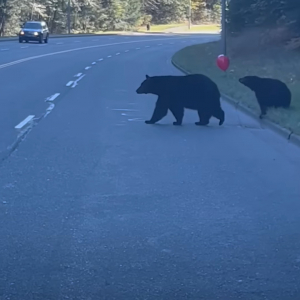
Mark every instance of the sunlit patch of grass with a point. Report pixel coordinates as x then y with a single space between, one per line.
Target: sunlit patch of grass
160 28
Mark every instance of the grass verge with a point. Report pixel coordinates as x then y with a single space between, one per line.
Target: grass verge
204 28
182 28
273 62
160 28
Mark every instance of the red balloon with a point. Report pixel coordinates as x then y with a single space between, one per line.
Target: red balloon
223 62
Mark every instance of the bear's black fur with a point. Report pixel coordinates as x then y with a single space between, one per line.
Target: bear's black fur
269 92
196 92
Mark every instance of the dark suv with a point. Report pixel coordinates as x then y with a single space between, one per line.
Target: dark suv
34 31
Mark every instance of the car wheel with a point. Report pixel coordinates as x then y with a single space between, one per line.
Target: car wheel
46 39
20 40
41 40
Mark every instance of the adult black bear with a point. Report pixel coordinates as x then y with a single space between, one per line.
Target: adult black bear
269 92
196 92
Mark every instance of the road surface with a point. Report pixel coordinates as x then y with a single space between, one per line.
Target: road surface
95 204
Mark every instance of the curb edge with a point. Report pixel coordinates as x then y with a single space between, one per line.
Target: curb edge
285 133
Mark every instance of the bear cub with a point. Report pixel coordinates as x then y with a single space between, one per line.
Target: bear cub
269 92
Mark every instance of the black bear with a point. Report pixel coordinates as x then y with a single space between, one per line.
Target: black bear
196 92
269 92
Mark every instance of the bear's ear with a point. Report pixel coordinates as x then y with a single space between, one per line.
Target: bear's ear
147 76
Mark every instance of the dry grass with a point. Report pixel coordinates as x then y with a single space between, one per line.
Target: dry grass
160 28
248 58
204 28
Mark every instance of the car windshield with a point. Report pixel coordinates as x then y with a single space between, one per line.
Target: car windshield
32 26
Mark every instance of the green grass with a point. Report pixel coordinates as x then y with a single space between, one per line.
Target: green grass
273 62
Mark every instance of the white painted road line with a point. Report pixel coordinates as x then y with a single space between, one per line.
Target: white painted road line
53 97
78 75
118 53
109 56
135 119
100 59
137 48
4 49
12 63
147 46
124 109
76 81
159 44
25 122
86 68
24 47
93 63
69 83
49 109
126 50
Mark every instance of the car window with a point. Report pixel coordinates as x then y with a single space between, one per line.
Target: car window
32 26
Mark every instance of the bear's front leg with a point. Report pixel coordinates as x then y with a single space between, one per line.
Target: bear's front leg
263 110
160 111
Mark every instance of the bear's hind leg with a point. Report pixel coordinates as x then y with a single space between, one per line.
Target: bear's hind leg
220 115
178 113
160 111
204 118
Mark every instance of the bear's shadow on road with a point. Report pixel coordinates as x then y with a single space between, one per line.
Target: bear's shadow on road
188 126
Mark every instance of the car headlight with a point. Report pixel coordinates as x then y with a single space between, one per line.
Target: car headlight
22 32
35 33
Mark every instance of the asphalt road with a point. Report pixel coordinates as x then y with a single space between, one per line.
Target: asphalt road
95 204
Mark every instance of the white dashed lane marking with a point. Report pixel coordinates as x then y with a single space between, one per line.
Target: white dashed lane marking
118 53
93 63
109 56
6 49
69 83
78 75
100 59
12 63
76 81
86 68
124 109
25 122
53 97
